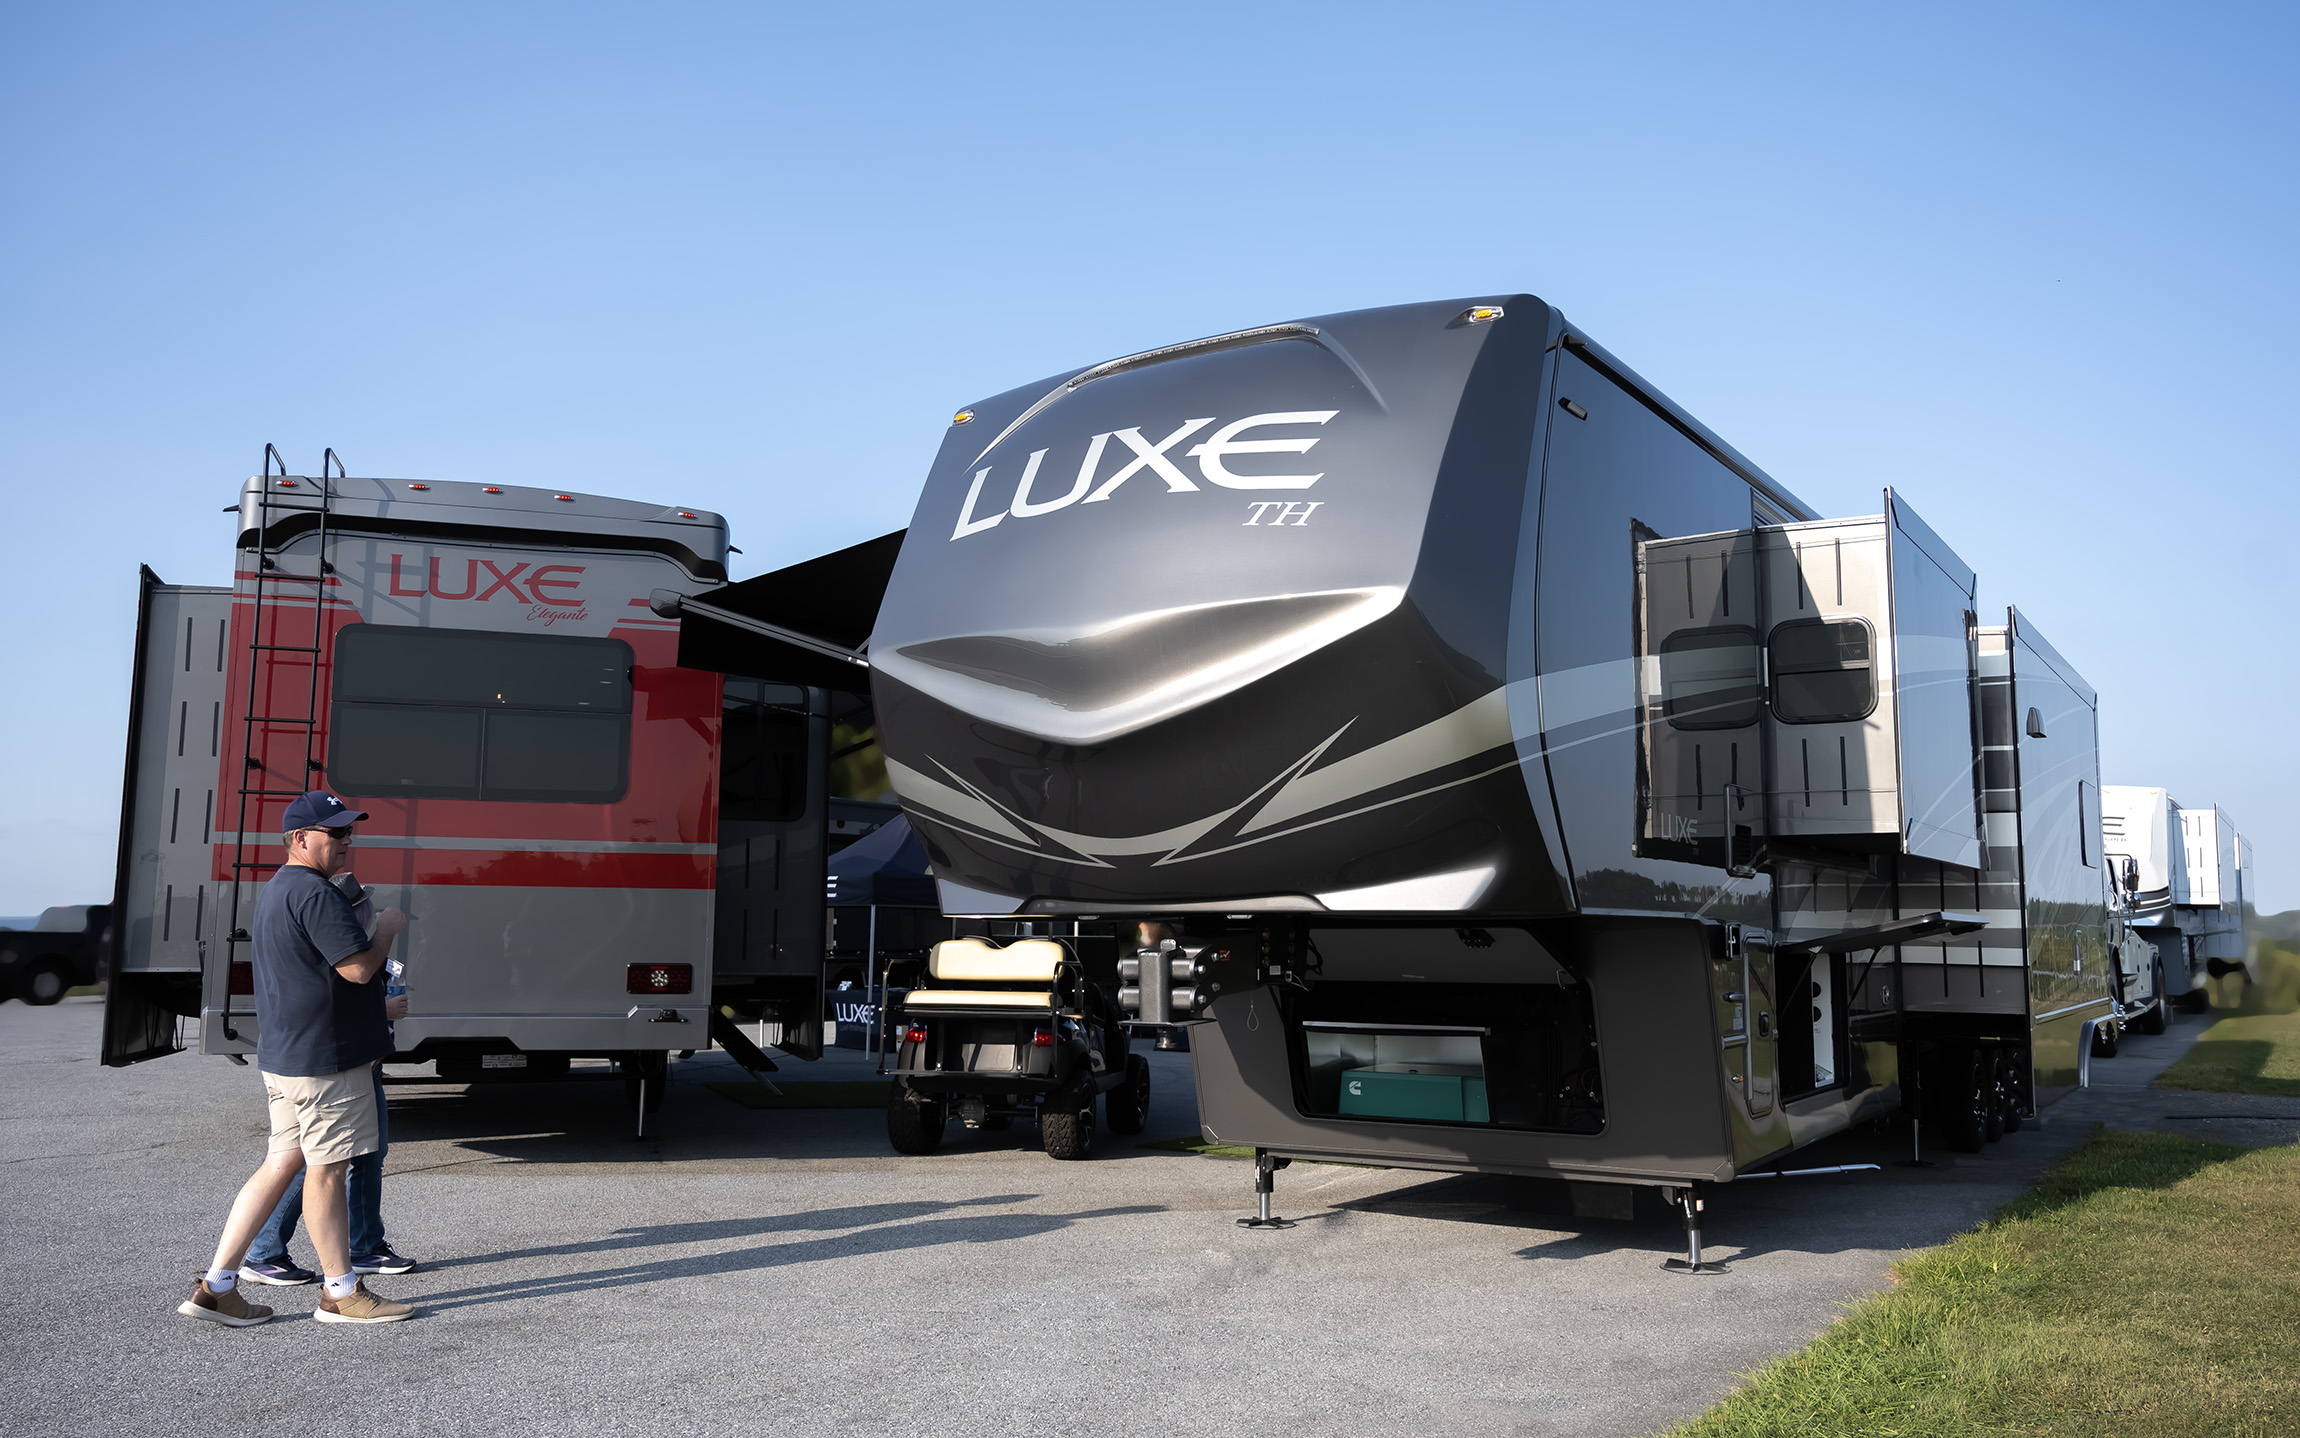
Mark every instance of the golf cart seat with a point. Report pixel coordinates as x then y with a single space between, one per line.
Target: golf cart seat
1024 973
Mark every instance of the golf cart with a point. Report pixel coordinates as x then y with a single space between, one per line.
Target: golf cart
997 1033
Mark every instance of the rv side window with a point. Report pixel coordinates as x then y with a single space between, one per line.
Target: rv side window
1823 671
460 714
1710 678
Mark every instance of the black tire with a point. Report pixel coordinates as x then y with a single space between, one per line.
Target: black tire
1993 1081
2104 1039
915 1121
1128 1105
2153 1022
1066 1122
2009 1086
1963 1097
46 984
2195 1001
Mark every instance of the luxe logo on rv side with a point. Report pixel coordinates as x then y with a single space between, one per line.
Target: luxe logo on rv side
1212 455
545 604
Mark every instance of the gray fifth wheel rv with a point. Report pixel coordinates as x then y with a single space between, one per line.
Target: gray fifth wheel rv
1542 788
602 846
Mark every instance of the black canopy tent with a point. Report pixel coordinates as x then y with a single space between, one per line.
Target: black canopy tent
884 869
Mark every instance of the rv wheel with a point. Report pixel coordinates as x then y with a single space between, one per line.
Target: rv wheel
45 985
914 1121
2152 1022
1066 1123
1965 1096
1128 1105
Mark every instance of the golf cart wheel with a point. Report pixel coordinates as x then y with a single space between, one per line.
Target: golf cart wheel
914 1122
46 984
1965 1096
1128 1105
2104 1039
2009 1063
2153 1022
1066 1123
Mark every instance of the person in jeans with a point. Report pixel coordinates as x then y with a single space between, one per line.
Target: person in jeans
267 1260
321 1030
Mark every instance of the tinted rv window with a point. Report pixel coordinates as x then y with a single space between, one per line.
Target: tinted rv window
459 714
1709 678
1823 671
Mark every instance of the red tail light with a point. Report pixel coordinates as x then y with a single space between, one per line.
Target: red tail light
243 977
659 979
914 1035
1042 1038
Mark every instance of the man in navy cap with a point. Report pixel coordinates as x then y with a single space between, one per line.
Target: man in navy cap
320 1029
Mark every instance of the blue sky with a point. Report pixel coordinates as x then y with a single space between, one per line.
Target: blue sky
2029 265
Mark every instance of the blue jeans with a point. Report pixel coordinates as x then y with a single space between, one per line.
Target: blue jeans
363 1197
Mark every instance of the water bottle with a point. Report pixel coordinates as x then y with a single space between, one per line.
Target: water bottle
395 974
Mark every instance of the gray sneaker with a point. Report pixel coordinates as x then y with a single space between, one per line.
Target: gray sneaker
361 1306
228 1307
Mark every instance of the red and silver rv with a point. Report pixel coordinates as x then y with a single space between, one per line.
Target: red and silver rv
599 846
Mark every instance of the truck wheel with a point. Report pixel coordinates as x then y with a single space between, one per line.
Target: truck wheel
45 984
1066 1122
2152 1022
914 1121
1965 1096
1128 1105
2104 1039
2009 1063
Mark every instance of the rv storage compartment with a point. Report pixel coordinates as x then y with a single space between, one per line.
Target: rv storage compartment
1510 1055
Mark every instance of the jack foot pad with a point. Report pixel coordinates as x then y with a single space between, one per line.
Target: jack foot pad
1265 1223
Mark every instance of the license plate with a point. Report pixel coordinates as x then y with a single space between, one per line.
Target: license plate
503 1061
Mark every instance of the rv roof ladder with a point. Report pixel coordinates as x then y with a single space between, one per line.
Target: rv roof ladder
282 494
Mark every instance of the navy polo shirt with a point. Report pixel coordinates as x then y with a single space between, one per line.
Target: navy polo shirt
311 1020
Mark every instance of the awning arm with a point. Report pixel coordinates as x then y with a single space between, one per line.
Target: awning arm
671 604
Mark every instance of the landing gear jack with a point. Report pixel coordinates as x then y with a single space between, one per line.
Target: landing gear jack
1265 1181
1689 1203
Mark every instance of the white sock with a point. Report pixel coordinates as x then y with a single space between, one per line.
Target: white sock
220 1280
342 1287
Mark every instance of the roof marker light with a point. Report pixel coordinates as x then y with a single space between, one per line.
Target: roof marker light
489 489
964 416
566 498
686 514
287 484
1573 409
1479 314
419 486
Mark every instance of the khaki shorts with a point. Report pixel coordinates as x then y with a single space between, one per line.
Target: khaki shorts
332 1118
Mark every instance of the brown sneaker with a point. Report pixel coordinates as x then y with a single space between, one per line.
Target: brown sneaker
361 1307
227 1307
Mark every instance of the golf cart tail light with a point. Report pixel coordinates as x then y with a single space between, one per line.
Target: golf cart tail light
659 979
1042 1038
490 489
914 1035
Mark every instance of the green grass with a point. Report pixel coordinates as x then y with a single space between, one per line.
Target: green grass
2245 1053
2146 1287
845 1093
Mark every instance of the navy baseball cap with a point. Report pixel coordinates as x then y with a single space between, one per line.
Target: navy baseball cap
319 810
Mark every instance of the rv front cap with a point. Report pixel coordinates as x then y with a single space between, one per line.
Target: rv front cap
319 810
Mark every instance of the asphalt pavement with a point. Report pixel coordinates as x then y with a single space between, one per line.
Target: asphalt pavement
776 1269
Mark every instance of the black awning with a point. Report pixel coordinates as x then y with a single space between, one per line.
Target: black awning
831 600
